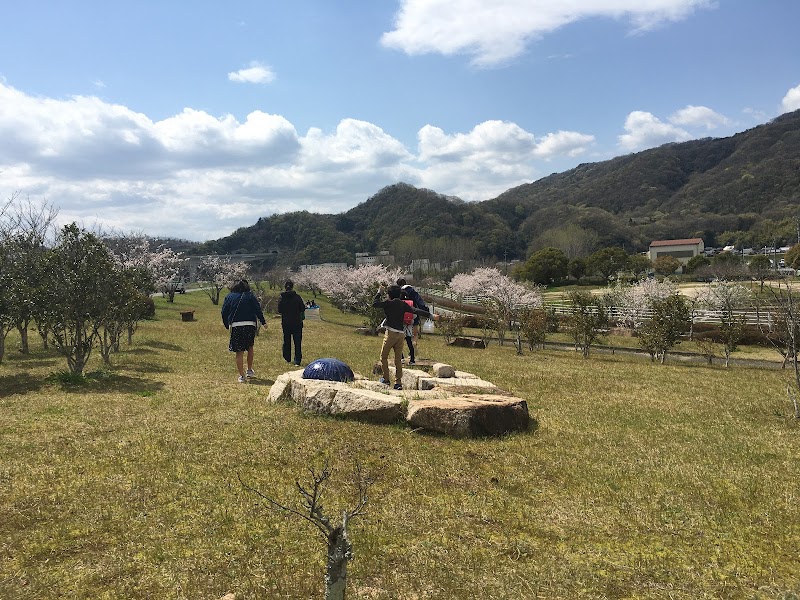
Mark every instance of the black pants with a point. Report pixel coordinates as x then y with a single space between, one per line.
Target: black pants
293 332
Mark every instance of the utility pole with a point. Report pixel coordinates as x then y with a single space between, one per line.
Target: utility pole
797 224
505 260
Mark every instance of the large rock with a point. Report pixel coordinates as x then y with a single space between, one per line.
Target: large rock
334 398
470 415
467 342
443 370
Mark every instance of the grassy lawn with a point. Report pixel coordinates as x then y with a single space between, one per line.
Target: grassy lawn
642 480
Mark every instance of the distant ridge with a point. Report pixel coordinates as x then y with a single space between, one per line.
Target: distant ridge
743 189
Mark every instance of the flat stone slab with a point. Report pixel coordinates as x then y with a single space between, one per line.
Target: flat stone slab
470 415
455 406
429 383
349 400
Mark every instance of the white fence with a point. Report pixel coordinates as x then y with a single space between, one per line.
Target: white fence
762 318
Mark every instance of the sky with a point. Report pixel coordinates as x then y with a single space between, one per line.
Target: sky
192 119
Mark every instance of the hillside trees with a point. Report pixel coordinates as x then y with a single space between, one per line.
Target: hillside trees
792 258
545 267
607 262
759 268
666 265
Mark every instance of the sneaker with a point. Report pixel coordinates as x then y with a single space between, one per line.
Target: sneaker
251 373
242 379
412 362
383 381
398 386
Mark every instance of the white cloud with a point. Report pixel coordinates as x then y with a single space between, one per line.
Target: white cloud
497 139
646 131
255 73
757 115
569 143
698 116
791 101
478 165
197 176
497 31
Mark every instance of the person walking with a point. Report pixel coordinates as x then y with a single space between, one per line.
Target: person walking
408 292
292 310
241 313
394 308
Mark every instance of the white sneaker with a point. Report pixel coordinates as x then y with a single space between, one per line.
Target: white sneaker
242 379
251 373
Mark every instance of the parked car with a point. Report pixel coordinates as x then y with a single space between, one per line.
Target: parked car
178 285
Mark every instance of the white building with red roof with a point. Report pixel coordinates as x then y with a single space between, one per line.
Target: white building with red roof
683 250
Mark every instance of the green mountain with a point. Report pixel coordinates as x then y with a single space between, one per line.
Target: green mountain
744 189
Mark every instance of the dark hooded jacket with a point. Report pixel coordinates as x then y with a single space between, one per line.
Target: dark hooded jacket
292 308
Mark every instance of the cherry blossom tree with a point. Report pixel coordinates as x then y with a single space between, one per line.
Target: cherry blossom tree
725 298
167 268
635 301
502 297
217 273
353 289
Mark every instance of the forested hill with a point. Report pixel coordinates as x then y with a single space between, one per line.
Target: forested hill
743 189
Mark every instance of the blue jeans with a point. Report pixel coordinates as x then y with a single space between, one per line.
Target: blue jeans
293 332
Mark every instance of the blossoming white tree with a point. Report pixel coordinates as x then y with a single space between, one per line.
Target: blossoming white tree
502 296
725 298
353 289
635 301
163 267
217 273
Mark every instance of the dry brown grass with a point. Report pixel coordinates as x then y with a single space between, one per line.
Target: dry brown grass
642 481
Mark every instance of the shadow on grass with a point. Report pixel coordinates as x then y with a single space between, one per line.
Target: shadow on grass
106 382
260 382
162 345
149 367
20 383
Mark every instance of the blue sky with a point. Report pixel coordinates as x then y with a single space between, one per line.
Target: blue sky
190 119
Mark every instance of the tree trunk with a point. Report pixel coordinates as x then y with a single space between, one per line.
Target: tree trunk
340 551
23 336
2 346
43 331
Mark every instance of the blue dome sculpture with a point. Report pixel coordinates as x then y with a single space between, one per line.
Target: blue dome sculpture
329 369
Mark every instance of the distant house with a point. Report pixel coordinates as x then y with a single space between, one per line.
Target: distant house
305 268
683 250
382 258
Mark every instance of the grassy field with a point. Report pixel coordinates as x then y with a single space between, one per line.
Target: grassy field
641 481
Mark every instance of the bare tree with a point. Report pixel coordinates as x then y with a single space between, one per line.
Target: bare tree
785 336
340 548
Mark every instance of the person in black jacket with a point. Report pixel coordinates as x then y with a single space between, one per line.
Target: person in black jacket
394 308
293 310
239 313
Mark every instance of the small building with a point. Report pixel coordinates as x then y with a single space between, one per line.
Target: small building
382 258
683 250
305 268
